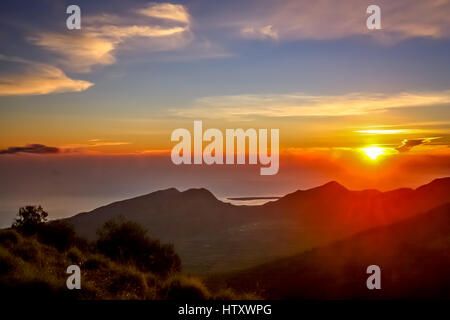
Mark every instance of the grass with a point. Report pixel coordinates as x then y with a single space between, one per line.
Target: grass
31 268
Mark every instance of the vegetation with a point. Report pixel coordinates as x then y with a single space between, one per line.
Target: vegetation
123 263
30 218
128 242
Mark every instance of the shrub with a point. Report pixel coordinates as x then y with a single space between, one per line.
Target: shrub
230 294
151 279
9 238
95 262
75 255
184 288
60 235
127 283
8 262
30 217
27 250
128 264
128 242
226 294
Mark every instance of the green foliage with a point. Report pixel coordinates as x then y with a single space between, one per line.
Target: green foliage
128 242
96 262
30 217
184 288
9 238
8 262
127 283
33 265
230 294
60 235
75 256
27 251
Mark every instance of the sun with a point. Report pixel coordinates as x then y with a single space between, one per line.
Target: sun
373 152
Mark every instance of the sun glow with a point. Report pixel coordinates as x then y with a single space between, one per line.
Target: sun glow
373 152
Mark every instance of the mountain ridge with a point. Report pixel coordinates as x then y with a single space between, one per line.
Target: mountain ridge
212 235
327 186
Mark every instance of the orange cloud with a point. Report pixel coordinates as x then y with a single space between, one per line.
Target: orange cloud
93 143
168 11
80 51
390 131
37 79
300 104
102 35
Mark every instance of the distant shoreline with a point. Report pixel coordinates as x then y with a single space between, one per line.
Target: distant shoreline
253 198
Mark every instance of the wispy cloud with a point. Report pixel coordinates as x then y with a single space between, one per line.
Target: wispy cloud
407 144
265 32
327 19
80 51
168 11
102 35
300 104
93 143
30 148
37 78
389 131
401 131
413 124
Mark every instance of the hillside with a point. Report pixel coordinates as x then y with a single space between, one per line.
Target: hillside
414 257
124 263
212 236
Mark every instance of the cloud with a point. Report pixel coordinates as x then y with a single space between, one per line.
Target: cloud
102 35
31 148
300 104
80 51
327 19
87 147
168 11
415 124
95 143
266 32
407 144
401 131
37 78
389 131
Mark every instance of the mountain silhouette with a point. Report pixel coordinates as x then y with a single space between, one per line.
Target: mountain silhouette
213 236
334 207
413 255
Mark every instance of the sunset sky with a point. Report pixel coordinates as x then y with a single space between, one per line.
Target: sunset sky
88 113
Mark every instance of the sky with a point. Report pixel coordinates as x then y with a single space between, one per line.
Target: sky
86 115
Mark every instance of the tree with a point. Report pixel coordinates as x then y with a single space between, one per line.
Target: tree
60 235
30 217
128 242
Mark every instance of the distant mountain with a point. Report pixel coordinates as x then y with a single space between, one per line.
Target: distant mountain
202 228
213 236
414 257
332 211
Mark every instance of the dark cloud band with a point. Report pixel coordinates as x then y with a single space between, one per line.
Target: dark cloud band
31 148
